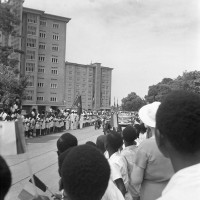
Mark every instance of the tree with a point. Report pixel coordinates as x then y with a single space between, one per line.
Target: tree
12 84
189 81
132 102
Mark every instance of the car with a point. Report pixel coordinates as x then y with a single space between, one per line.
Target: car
125 120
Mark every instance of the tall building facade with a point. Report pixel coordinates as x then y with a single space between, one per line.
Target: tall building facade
44 40
92 82
52 82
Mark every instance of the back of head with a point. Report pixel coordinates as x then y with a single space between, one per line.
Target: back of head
178 118
114 141
91 143
66 141
85 173
5 178
130 134
100 142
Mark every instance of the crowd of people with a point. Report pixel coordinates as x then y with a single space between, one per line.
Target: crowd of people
157 158
43 123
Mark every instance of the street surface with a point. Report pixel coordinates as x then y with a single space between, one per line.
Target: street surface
43 159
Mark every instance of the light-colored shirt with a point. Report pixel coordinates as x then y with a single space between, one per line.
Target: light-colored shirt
118 166
129 153
112 192
119 169
151 170
184 185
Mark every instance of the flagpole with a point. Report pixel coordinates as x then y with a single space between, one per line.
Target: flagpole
30 171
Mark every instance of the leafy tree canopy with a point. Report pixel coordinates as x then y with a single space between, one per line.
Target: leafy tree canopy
189 81
132 102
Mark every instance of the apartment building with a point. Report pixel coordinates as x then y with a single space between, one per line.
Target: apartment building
44 40
92 82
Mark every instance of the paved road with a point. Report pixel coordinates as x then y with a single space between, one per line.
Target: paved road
43 159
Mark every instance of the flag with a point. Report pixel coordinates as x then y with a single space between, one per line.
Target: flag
12 140
78 103
114 120
39 183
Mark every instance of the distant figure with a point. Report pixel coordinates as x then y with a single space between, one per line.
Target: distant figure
178 137
100 143
85 173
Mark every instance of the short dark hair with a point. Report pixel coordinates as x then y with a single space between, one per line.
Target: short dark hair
178 118
66 141
91 143
100 142
114 140
129 134
85 173
5 178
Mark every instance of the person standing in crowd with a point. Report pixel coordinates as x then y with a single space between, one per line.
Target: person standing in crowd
118 163
152 170
178 137
129 135
5 178
86 178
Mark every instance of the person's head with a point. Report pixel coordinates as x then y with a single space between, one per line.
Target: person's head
100 143
85 173
129 135
148 114
138 128
178 125
66 141
113 142
91 143
5 178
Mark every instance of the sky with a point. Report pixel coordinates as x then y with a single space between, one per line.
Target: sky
143 40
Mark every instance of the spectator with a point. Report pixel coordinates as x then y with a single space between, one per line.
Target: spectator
152 170
66 141
178 137
91 143
86 178
118 164
100 143
129 136
5 178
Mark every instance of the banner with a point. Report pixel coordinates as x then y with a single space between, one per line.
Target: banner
12 140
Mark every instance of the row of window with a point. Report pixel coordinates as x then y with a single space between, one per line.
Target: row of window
33 19
40 98
52 85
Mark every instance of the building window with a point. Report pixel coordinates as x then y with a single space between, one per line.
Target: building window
42 46
40 84
43 23
42 35
30 67
30 81
41 70
53 85
55 37
54 71
54 60
53 99
40 98
30 55
41 58
29 95
54 48
56 26
30 42
31 30
32 18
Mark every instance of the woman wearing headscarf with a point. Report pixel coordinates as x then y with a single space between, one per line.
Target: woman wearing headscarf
152 170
